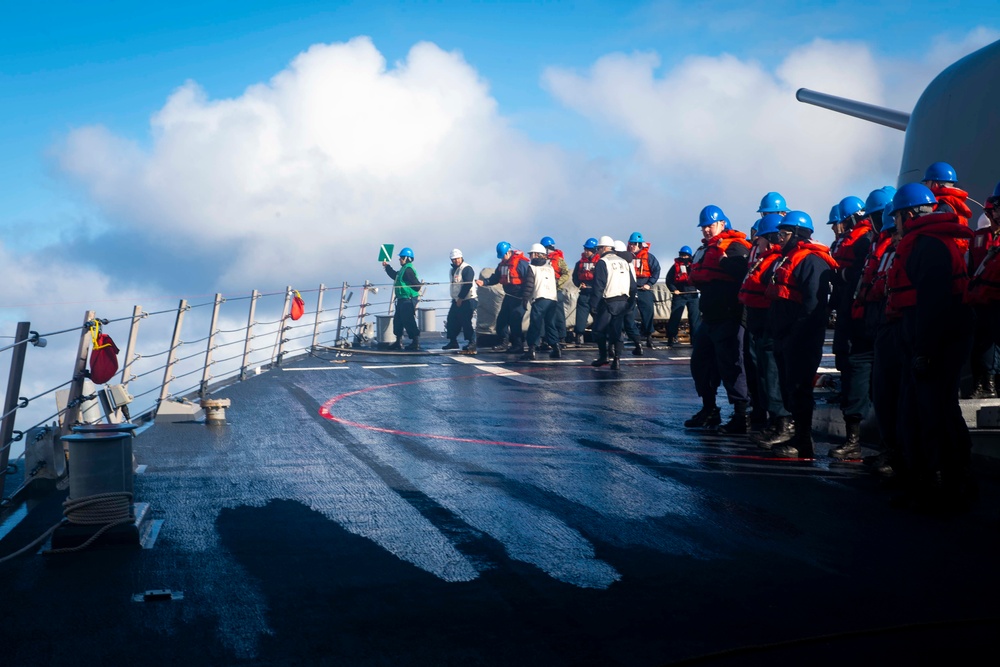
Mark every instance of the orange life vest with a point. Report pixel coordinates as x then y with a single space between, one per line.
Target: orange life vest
844 251
941 226
783 281
682 276
955 198
508 269
981 244
554 258
868 274
753 291
707 263
641 262
585 267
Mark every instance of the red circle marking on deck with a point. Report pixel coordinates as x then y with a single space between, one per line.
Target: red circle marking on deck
324 412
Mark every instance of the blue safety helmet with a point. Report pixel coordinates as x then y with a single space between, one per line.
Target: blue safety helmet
834 215
849 206
548 242
406 252
636 237
502 249
996 190
685 250
772 202
877 199
590 243
798 219
755 226
729 225
910 195
769 224
710 215
941 171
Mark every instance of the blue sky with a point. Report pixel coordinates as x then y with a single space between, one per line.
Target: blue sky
114 65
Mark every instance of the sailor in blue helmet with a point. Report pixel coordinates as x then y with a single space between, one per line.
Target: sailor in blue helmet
406 288
563 276
683 295
889 363
853 347
647 273
772 202
769 418
717 270
511 273
927 288
799 290
583 278
838 229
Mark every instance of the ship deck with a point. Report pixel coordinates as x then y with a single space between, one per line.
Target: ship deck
442 510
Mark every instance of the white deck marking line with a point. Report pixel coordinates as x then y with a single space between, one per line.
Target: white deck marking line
470 359
513 375
317 368
398 366
670 379
554 361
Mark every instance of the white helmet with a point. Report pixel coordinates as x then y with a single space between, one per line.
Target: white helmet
539 248
456 254
606 242
619 246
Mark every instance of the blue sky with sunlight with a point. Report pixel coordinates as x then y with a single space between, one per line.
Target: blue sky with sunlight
65 66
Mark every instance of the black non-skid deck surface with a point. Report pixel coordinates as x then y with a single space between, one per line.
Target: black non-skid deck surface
446 511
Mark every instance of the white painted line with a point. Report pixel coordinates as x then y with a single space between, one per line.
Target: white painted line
397 366
140 469
678 358
673 379
317 368
513 375
470 359
554 361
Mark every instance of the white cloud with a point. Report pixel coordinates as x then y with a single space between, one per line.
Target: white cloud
726 130
301 178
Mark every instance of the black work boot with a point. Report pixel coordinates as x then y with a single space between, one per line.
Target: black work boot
704 418
615 363
397 345
783 431
649 342
502 345
990 386
602 353
670 341
452 345
637 350
851 449
556 353
739 423
414 345
801 444
529 355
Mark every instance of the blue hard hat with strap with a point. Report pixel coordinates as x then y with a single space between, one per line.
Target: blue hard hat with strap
769 224
772 202
685 250
849 206
798 219
590 243
548 242
406 252
636 237
710 215
912 195
941 171
502 248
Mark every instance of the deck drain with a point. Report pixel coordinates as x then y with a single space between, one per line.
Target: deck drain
158 595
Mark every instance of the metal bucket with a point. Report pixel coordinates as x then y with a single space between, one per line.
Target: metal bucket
99 463
426 319
383 329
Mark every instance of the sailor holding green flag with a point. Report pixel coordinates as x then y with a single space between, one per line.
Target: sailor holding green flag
406 287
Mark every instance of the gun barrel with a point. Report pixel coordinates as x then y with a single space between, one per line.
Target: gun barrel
888 117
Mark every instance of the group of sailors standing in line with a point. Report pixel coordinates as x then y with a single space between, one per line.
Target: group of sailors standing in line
915 291
913 287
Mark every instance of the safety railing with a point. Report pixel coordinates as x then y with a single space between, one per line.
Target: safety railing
177 353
